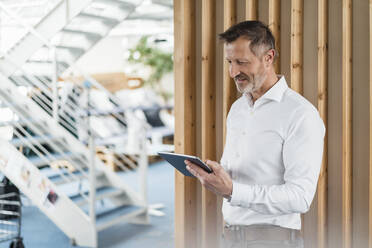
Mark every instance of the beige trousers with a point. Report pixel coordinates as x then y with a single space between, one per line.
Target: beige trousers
261 236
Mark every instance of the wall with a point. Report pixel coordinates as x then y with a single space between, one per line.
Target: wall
325 54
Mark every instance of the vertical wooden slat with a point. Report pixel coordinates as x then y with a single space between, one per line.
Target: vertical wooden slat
335 124
346 123
296 61
251 10
323 111
297 45
185 113
370 126
209 199
274 25
229 88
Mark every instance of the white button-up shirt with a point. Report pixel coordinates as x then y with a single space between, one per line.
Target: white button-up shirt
273 153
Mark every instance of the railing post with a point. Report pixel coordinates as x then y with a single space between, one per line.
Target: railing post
143 165
92 170
54 84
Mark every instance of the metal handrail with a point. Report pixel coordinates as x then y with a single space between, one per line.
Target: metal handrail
43 157
67 120
39 132
46 103
33 148
37 147
68 124
111 96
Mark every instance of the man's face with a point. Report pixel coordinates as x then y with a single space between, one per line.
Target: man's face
248 71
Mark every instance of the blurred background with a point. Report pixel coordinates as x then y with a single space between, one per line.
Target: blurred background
86 102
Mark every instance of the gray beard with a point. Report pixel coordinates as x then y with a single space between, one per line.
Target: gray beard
252 87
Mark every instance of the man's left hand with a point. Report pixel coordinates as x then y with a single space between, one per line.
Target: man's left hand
219 181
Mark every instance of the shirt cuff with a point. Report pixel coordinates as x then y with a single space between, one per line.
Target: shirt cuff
241 195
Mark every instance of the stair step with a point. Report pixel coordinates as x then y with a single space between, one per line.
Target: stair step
107 218
81 32
72 49
35 140
120 3
56 177
102 18
37 161
39 61
101 193
41 67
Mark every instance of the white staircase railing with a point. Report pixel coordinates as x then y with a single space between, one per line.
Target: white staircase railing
67 148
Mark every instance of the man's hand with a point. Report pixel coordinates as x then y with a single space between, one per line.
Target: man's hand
219 181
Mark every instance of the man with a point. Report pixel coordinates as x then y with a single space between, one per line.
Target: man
273 152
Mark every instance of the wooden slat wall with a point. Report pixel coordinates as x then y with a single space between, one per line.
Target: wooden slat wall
360 123
346 124
229 89
370 125
310 92
274 25
335 124
297 45
185 114
251 9
296 62
209 200
322 79
341 215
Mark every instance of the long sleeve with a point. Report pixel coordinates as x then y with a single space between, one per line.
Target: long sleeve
302 157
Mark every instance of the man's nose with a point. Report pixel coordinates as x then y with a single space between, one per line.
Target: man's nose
234 70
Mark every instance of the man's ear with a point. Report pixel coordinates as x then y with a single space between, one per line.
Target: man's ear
269 57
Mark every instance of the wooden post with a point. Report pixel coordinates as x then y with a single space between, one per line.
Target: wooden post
209 199
229 88
370 125
274 25
251 10
346 123
296 61
185 115
297 45
323 111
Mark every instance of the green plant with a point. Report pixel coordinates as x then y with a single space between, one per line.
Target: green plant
159 61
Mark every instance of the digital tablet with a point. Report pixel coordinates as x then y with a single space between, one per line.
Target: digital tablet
178 162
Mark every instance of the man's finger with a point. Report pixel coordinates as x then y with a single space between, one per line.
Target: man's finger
196 168
213 164
198 176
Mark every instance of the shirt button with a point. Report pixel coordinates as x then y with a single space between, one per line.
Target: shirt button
237 155
243 133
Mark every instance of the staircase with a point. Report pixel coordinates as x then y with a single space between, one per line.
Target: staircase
70 30
98 199
37 35
54 144
59 46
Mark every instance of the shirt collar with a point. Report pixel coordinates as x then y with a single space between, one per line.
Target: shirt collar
276 92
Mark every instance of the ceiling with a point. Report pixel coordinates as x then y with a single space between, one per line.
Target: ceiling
151 16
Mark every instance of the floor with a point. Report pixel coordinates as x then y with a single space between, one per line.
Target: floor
39 232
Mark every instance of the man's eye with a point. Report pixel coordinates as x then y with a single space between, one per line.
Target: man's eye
241 62
229 61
